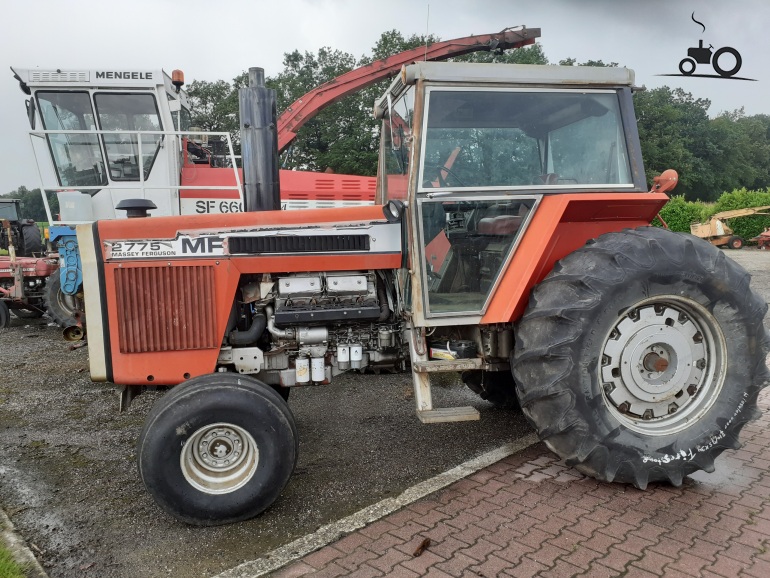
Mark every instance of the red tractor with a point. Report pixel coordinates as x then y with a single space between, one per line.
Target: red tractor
510 242
23 273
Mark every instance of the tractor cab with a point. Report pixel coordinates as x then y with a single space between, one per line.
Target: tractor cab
103 136
475 154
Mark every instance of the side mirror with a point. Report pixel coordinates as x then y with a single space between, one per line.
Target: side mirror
665 182
30 102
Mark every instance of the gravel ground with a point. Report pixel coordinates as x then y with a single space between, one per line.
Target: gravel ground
69 482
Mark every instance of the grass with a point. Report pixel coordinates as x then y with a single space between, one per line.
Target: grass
9 568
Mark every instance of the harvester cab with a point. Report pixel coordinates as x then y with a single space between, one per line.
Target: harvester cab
509 244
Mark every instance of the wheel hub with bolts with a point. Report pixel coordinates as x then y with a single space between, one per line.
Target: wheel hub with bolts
219 458
662 365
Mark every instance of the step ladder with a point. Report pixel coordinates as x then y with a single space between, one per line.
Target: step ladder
422 367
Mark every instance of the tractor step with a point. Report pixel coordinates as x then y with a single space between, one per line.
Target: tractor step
446 366
465 413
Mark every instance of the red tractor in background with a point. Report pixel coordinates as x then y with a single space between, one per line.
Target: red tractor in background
509 242
24 271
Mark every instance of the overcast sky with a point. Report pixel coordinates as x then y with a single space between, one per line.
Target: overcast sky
213 40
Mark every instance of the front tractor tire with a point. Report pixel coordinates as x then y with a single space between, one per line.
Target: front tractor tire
218 449
641 355
735 242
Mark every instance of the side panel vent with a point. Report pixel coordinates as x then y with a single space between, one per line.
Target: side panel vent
297 244
166 308
49 76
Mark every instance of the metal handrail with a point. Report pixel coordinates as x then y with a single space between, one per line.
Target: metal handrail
42 134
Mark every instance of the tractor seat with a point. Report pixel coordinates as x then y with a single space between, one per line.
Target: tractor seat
500 225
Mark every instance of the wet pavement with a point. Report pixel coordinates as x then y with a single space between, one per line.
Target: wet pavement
530 515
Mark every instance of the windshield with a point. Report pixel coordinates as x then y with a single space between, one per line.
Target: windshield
504 138
77 157
132 112
8 211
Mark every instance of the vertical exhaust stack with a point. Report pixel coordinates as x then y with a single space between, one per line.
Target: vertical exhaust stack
259 144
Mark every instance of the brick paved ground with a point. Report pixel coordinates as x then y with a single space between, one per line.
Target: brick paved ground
530 515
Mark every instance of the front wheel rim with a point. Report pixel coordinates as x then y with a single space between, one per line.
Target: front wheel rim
219 458
663 364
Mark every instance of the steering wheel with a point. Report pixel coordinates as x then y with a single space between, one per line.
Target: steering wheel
441 179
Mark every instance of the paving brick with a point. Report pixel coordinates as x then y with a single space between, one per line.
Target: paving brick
420 564
502 498
586 527
601 542
456 565
514 552
581 557
618 559
331 571
759 569
553 525
436 573
727 567
480 550
492 566
572 513
463 520
635 545
533 538
447 547
352 541
596 570
526 569
365 571
377 529
388 560
357 557
649 531
669 547
717 536
652 562
635 572
470 534
562 569
322 557
688 564
294 570
483 509
749 537
740 552
401 572
547 554
440 532
384 543
542 511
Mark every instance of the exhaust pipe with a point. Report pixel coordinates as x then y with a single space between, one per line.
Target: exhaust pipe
259 144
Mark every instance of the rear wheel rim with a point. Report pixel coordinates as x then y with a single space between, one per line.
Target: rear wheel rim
219 458
663 365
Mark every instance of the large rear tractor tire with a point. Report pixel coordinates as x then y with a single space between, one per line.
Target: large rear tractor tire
496 387
60 307
218 449
5 316
641 355
32 241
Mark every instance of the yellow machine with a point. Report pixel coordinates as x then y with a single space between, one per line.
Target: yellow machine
717 231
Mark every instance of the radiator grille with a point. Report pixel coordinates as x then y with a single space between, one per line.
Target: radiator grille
166 308
299 244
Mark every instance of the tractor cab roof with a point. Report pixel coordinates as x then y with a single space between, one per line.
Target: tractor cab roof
505 74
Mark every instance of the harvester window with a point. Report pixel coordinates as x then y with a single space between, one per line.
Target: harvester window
494 138
466 244
77 156
129 112
397 146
